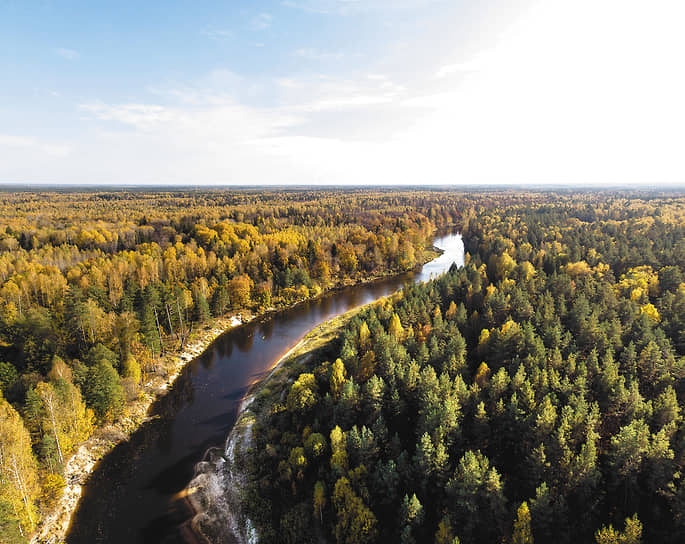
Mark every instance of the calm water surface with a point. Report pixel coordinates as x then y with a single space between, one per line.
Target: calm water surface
129 497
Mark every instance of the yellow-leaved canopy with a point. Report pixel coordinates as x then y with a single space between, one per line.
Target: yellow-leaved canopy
18 471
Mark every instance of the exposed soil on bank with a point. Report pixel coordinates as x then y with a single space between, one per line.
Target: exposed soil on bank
54 525
214 522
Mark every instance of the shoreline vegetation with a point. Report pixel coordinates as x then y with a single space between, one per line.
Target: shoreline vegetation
535 392
316 342
564 331
55 523
96 287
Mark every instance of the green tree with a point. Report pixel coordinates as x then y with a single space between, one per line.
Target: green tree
8 377
479 503
412 518
103 391
202 313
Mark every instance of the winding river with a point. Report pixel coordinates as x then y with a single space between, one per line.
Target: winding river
129 498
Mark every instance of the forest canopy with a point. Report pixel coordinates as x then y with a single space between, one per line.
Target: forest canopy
100 290
534 394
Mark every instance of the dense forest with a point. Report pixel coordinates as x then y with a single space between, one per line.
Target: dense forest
534 394
98 290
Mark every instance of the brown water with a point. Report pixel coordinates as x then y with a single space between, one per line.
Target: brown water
129 497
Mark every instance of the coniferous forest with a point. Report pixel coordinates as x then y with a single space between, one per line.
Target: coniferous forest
534 395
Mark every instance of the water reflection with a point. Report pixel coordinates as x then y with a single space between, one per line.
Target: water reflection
127 498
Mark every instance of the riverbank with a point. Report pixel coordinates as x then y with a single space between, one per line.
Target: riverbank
55 523
222 470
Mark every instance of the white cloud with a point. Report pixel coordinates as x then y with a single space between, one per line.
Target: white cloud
561 96
11 143
474 64
321 93
218 119
352 7
344 102
217 34
69 54
315 54
569 98
262 21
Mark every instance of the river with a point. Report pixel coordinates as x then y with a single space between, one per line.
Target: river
129 496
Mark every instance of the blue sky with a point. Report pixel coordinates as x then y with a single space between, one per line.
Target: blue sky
341 91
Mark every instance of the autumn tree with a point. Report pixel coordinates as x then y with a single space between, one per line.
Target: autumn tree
319 500
356 524
522 532
632 534
239 289
18 473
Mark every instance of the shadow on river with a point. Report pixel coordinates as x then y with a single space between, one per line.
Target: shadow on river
128 497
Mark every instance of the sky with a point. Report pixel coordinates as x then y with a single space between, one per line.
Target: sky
334 92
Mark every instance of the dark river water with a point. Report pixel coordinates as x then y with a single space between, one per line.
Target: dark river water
129 498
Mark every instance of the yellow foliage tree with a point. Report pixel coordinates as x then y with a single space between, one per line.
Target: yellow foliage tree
482 375
337 379
522 534
339 450
578 269
64 415
650 311
395 327
18 468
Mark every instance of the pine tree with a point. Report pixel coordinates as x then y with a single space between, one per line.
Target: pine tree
103 391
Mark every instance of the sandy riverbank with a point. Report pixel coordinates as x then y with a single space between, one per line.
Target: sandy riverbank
213 496
55 523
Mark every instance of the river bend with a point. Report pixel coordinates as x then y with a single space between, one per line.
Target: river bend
129 497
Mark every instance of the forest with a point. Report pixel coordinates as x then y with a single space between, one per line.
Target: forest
533 395
100 290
